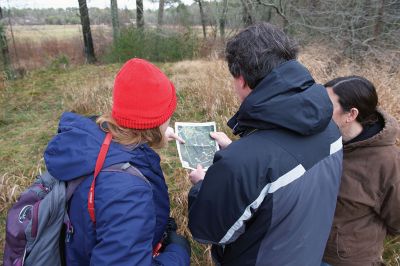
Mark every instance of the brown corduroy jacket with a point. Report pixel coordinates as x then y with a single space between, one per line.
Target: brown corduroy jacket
368 205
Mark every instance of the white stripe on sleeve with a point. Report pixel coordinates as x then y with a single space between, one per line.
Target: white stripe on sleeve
282 181
336 146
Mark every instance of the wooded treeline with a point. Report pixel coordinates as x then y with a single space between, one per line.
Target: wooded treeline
355 22
356 27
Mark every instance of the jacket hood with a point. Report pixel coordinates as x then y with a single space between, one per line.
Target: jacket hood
386 137
73 152
287 98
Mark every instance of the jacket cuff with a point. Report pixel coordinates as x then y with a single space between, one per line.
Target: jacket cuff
194 191
180 254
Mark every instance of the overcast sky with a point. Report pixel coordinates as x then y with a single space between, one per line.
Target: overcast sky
131 4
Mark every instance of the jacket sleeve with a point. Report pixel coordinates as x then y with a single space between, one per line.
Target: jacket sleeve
124 229
219 209
193 192
391 200
390 209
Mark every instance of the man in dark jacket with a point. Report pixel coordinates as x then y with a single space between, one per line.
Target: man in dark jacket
269 198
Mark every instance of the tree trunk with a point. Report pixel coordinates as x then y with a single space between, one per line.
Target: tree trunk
314 5
280 10
222 19
285 24
5 54
269 15
87 34
203 18
379 20
115 20
247 17
139 14
160 13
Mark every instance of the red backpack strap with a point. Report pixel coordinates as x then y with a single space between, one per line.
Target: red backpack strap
99 165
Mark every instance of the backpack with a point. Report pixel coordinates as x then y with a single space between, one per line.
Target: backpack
38 222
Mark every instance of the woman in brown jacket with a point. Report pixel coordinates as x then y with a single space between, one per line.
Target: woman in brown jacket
368 205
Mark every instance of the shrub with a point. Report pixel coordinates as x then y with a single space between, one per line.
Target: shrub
60 62
154 45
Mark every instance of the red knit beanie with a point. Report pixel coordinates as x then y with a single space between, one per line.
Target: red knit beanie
143 96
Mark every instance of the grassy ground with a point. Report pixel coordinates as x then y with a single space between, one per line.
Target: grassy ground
39 46
30 109
38 33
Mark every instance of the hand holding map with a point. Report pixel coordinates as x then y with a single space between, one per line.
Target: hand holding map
221 138
199 147
197 175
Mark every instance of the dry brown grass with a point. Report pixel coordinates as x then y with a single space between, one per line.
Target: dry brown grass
326 64
205 91
11 185
205 94
94 97
39 50
178 186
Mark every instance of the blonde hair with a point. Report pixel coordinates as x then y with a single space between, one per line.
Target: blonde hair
129 136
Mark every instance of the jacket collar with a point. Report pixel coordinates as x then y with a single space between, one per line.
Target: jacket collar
288 98
386 137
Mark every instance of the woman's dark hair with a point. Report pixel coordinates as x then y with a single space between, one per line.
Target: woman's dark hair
356 92
257 50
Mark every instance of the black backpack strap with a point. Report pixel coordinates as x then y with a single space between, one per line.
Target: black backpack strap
126 168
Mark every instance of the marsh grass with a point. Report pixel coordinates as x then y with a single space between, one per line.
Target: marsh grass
31 107
38 46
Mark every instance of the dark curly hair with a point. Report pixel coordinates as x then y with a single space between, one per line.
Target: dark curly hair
255 51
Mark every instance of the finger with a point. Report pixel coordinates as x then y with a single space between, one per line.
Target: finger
181 140
193 172
199 167
176 137
214 135
192 178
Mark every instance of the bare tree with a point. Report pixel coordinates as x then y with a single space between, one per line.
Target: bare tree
162 4
222 19
247 12
115 19
379 19
160 16
314 4
87 34
202 17
139 14
278 6
4 49
357 27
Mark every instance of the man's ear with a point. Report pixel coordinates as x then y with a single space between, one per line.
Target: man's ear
242 82
244 85
352 115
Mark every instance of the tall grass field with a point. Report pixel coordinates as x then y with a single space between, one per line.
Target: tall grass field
30 108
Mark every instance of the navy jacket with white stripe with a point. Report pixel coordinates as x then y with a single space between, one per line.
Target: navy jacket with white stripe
269 198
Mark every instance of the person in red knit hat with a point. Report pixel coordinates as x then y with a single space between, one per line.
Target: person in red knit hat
143 96
120 213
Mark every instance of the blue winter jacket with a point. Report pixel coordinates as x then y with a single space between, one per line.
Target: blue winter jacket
131 215
269 198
